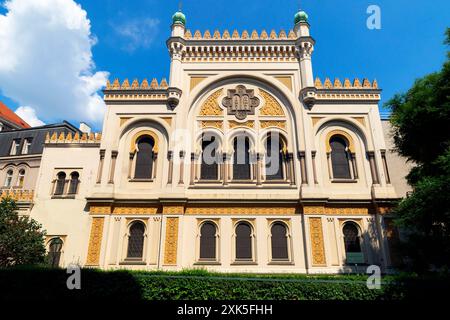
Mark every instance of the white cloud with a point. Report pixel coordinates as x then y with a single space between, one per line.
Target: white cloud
29 115
137 33
46 60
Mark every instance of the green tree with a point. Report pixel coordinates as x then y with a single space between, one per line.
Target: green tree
21 238
421 122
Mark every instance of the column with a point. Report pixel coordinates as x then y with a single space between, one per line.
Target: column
100 166
113 166
170 174
373 167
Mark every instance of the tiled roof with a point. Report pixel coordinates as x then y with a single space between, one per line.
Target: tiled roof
10 116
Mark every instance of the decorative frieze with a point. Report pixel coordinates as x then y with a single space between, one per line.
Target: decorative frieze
243 36
242 210
273 123
17 195
64 138
212 124
249 124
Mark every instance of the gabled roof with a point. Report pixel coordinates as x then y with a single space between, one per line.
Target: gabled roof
10 116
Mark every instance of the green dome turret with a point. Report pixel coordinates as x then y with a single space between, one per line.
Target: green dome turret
179 17
300 16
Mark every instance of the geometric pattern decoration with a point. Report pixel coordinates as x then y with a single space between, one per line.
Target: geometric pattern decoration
240 102
317 244
211 107
271 106
95 241
171 243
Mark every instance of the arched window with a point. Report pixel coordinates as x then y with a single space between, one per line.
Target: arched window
136 241
144 158
209 168
60 183
352 243
279 242
208 241
21 178
8 180
74 181
340 161
241 158
243 241
54 252
274 158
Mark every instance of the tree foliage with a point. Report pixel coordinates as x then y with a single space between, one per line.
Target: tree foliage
21 238
421 121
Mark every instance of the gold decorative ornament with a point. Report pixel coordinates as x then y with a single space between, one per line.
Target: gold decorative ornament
317 243
171 242
95 241
271 106
211 107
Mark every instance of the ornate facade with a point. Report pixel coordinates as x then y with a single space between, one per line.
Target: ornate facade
146 196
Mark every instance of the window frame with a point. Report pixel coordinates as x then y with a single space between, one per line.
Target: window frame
253 259
208 261
15 147
358 228
283 261
9 178
26 145
143 258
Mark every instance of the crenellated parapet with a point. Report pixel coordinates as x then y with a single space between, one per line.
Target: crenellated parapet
69 138
235 35
135 85
17 195
363 91
346 84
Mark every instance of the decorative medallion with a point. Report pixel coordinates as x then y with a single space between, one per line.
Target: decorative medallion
240 102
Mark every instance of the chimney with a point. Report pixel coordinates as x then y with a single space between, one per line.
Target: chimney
85 128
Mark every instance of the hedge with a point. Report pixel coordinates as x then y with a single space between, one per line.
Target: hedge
50 284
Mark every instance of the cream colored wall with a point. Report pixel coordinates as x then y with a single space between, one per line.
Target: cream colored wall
398 166
67 218
29 164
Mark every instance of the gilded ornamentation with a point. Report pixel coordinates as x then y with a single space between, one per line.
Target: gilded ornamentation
317 243
171 243
69 138
241 102
145 133
212 124
342 211
271 106
95 241
351 145
135 210
173 209
241 210
248 124
100 209
211 107
18 195
273 123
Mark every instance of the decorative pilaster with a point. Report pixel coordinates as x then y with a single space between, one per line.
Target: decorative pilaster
317 242
95 241
313 157
171 241
385 166
258 168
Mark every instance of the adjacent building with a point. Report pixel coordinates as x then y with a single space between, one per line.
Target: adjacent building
241 162
20 160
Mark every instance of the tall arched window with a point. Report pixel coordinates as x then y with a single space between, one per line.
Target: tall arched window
74 181
243 241
8 179
352 243
241 158
54 252
60 183
208 241
21 178
209 167
274 158
340 161
136 241
144 158
279 242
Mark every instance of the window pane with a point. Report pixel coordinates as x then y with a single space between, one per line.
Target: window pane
136 240
208 241
243 242
279 242
339 159
209 167
144 160
60 183
274 159
74 180
351 238
241 159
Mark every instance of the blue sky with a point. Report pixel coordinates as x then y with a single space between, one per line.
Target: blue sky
131 37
